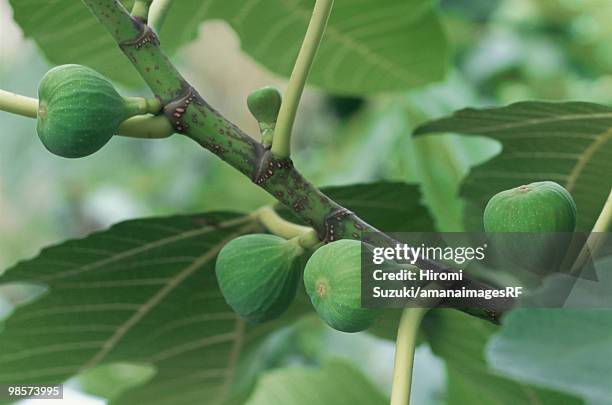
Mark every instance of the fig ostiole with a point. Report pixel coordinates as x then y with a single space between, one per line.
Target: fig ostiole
264 104
79 110
259 275
530 226
332 278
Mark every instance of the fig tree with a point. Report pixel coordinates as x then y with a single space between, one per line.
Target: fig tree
80 110
259 274
332 278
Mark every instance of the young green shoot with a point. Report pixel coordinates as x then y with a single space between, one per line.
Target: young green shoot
281 145
158 13
140 10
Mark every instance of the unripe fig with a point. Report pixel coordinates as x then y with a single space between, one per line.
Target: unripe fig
258 275
537 207
531 226
80 110
265 104
332 278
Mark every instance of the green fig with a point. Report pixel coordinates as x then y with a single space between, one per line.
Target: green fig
537 207
531 226
333 281
259 274
264 104
79 110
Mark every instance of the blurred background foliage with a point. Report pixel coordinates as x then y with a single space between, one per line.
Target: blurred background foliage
502 51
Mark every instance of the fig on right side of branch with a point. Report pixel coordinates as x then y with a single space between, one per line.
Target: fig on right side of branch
537 207
531 226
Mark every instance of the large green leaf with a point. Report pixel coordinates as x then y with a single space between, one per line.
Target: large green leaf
569 350
570 143
374 144
370 46
145 292
565 349
337 383
460 340
142 292
388 206
67 32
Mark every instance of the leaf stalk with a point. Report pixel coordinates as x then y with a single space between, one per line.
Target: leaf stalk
404 354
140 10
158 13
596 237
281 144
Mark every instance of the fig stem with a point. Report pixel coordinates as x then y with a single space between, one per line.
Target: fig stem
404 354
279 226
267 135
309 240
158 13
144 126
281 144
18 104
140 105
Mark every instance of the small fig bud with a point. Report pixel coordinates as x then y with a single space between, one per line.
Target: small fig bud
265 104
332 278
258 275
79 111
